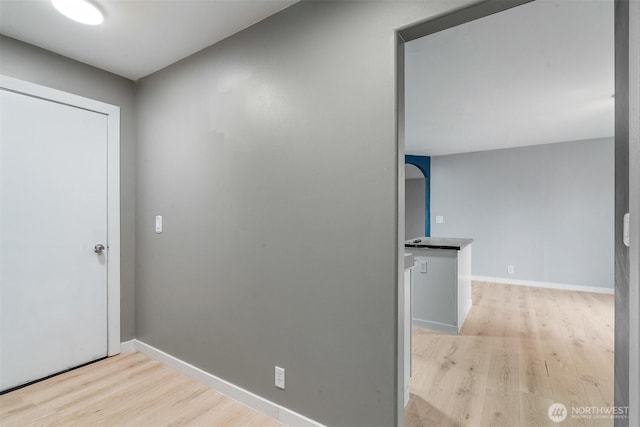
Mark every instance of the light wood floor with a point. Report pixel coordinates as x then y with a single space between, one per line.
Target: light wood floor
521 349
125 390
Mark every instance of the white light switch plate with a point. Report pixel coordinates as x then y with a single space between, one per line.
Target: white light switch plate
159 224
439 219
625 229
422 265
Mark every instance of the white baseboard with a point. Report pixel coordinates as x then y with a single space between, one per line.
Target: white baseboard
435 326
127 346
280 413
466 311
547 285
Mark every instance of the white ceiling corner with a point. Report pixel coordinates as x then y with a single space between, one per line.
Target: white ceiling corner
536 74
138 37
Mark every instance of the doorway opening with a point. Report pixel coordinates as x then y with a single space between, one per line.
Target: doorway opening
415 197
516 334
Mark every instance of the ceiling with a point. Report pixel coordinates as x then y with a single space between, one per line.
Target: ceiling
138 37
536 74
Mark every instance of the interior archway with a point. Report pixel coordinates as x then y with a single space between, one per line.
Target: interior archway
414 196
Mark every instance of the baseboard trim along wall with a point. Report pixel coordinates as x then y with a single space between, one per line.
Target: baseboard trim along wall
435 326
280 413
466 311
547 285
127 346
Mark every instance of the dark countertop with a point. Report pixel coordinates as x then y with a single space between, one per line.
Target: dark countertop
438 243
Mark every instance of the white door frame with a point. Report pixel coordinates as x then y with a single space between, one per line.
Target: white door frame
112 113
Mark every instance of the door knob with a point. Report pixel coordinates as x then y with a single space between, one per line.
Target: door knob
99 248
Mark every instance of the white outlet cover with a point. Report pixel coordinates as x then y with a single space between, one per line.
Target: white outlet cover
439 219
280 378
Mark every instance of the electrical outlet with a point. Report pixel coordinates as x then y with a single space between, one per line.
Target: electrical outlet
280 377
439 219
510 269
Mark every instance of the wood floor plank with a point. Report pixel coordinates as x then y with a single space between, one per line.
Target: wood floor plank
13 402
77 380
520 350
152 401
502 407
195 407
125 390
471 380
160 410
533 410
95 390
533 374
539 346
120 398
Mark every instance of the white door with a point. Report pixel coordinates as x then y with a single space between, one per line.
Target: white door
53 212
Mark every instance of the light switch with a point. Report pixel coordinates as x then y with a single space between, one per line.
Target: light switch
159 224
422 266
625 229
439 219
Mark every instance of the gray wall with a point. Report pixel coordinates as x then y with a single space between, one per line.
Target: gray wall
622 255
414 208
627 199
279 248
26 62
547 210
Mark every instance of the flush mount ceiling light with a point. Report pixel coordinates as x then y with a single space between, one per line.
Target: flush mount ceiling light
79 10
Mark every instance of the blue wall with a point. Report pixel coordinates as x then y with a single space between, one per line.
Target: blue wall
424 164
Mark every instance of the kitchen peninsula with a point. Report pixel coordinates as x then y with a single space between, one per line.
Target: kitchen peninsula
441 282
